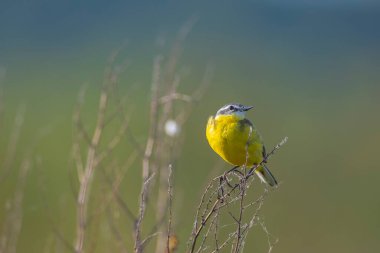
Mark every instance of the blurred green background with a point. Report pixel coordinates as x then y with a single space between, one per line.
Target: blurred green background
312 71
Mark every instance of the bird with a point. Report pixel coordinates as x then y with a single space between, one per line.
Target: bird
235 139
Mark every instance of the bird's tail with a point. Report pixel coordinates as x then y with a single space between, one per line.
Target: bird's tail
265 175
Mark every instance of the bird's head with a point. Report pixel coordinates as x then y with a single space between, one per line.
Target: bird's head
237 110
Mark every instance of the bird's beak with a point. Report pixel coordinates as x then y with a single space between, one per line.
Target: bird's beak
246 108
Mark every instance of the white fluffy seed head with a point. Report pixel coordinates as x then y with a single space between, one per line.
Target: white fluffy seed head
172 128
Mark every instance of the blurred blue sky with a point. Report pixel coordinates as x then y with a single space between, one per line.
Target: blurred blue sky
315 36
48 24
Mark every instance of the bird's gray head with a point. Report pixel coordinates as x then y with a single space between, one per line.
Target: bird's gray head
233 109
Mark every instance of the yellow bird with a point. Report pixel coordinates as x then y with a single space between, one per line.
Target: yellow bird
232 136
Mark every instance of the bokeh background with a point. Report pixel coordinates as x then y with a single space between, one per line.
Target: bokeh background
310 68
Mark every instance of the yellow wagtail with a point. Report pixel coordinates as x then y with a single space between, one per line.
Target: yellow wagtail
237 141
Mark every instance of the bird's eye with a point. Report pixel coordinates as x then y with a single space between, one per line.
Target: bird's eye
231 108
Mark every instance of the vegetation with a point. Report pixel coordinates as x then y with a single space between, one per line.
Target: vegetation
227 210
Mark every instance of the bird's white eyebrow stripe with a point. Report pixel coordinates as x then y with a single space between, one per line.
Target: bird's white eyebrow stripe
237 108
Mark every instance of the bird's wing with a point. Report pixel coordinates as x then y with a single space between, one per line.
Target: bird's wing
257 134
264 153
245 122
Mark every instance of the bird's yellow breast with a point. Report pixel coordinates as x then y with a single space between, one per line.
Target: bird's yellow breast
235 139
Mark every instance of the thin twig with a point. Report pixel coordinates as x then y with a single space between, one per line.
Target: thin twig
216 231
242 194
79 134
82 201
239 220
153 119
146 163
142 208
148 238
170 193
217 202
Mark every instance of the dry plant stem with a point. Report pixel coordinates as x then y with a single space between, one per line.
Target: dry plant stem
216 230
239 220
170 83
82 200
217 202
201 247
165 156
270 244
167 150
205 219
170 193
94 156
242 195
76 154
209 186
161 208
255 216
244 227
202 202
226 242
148 238
146 163
138 243
153 119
